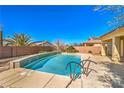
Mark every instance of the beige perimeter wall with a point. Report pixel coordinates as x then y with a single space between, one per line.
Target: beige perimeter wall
14 51
88 49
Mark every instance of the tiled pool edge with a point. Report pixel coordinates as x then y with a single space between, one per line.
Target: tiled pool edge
17 63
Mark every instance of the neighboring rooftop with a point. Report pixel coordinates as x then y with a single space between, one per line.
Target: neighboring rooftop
42 43
93 40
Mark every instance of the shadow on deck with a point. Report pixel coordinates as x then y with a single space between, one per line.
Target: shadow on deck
114 77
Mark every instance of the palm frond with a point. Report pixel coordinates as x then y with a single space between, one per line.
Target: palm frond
19 40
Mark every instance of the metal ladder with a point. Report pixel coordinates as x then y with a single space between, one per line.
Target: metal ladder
85 70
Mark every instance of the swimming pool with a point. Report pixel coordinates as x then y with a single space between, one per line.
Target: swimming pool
54 64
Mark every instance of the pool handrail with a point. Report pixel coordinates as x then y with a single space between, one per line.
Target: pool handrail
84 70
87 68
72 75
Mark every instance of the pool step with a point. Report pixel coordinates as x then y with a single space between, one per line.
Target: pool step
42 62
32 63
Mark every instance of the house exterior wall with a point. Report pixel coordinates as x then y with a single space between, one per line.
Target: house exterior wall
122 46
117 37
109 49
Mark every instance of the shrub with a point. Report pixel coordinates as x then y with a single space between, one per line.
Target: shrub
71 49
90 52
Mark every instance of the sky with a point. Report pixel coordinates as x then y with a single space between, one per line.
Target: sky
70 24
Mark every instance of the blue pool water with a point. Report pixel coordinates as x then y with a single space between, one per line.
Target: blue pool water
54 64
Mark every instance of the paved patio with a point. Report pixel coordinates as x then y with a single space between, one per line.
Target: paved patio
108 75
25 78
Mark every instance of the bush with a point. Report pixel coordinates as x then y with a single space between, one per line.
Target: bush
90 52
71 49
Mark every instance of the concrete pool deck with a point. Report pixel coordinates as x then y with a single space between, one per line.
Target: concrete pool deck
25 78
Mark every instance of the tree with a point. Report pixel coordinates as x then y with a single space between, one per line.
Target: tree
60 45
116 10
19 40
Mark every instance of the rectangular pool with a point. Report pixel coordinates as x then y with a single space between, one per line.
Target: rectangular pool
54 64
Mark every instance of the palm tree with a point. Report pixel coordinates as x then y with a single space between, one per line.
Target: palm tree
19 39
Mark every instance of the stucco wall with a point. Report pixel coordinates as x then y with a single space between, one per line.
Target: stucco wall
97 45
88 49
14 51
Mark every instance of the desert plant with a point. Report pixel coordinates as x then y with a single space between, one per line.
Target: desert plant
71 49
19 39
